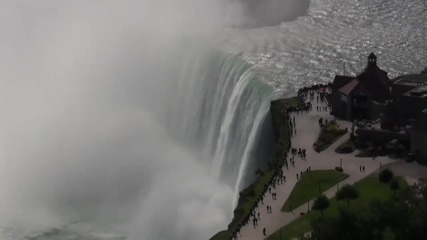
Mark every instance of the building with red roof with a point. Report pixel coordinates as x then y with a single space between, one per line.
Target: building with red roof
363 96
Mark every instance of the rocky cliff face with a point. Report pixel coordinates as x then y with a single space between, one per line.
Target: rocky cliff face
260 13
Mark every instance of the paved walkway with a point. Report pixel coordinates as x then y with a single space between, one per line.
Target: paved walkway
307 133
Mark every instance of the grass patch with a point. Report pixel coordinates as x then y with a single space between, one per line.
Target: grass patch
369 189
328 135
346 147
250 196
308 187
292 103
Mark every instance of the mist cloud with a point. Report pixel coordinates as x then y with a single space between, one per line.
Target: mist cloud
79 136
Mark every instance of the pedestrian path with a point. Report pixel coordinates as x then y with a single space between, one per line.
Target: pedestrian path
307 131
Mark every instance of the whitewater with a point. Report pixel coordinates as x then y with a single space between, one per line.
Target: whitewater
140 120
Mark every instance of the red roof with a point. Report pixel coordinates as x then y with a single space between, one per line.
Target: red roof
349 87
340 81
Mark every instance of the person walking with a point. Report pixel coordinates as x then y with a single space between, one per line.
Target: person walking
264 232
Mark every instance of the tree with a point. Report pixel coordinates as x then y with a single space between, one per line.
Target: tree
394 185
332 227
388 234
347 192
321 203
386 175
401 217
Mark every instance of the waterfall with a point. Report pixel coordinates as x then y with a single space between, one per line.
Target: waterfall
220 109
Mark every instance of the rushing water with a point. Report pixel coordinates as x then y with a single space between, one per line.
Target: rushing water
102 138
315 47
223 116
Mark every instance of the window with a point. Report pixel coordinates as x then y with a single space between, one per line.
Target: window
343 98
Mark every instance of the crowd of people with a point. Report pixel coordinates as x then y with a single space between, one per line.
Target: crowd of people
285 161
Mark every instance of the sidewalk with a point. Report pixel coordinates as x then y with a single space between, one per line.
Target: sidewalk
307 132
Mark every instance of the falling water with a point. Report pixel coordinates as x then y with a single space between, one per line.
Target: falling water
221 112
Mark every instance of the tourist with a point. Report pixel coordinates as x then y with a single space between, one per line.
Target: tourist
263 232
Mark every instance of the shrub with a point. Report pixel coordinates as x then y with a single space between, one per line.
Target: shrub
394 184
347 192
320 204
346 147
386 175
328 135
339 169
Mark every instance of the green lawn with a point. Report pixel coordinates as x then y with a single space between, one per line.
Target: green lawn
328 135
292 102
250 196
308 187
247 199
369 188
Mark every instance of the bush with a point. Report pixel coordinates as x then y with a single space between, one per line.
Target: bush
339 169
346 147
321 203
394 184
386 175
347 192
328 135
